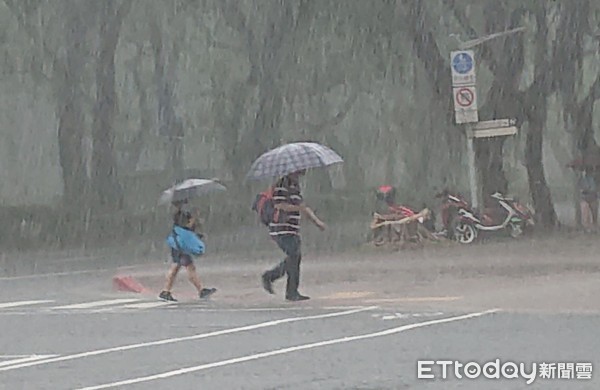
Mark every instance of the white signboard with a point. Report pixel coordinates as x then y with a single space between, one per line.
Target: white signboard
466 116
494 124
495 132
463 67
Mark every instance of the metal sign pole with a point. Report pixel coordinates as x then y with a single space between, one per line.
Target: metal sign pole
464 80
464 93
472 167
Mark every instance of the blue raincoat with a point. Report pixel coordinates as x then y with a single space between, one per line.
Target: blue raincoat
187 242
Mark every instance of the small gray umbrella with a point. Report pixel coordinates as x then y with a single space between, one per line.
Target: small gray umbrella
190 188
292 157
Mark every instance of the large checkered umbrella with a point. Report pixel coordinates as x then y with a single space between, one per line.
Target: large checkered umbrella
190 188
292 158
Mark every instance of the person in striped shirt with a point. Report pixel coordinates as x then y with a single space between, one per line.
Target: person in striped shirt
285 230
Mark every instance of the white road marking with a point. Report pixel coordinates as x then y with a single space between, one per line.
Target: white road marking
397 316
48 275
6 305
15 313
146 305
259 309
282 351
12 356
349 295
67 273
413 299
188 338
128 308
25 358
200 307
341 307
88 305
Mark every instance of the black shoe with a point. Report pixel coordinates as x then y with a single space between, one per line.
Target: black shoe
267 284
297 297
166 296
207 292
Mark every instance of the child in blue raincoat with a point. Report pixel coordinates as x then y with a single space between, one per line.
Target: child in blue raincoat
185 244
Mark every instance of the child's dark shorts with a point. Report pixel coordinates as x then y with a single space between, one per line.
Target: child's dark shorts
181 258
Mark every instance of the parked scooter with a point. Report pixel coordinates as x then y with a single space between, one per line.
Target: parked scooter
449 210
465 224
395 223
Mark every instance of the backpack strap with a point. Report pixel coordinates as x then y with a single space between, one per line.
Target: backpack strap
276 211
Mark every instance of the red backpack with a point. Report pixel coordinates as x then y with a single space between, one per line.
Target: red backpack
265 207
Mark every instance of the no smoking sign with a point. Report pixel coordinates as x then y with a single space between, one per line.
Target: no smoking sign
465 104
465 98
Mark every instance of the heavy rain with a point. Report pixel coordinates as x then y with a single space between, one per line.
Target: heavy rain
299 194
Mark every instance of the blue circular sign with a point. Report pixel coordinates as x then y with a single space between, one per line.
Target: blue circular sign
462 63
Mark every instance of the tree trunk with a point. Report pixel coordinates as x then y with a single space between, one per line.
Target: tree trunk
170 126
428 52
535 107
503 102
538 187
70 135
67 81
136 146
265 132
105 178
490 166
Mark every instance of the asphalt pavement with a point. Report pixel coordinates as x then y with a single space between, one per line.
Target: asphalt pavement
372 319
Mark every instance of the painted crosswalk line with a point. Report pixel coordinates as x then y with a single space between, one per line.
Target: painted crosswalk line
147 305
93 304
400 316
7 305
117 305
24 359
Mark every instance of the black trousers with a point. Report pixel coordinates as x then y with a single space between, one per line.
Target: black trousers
290 245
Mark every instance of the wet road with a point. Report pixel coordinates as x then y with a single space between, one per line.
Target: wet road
73 332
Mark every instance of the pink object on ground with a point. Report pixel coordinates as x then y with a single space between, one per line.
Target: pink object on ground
128 283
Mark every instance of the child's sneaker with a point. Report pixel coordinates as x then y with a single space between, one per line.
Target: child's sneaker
207 292
166 296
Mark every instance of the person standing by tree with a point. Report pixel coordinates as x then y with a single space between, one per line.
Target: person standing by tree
285 230
588 191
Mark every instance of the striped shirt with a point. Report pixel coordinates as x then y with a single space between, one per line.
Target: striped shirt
288 223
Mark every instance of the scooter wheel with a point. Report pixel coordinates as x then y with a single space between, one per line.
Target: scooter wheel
465 233
516 230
